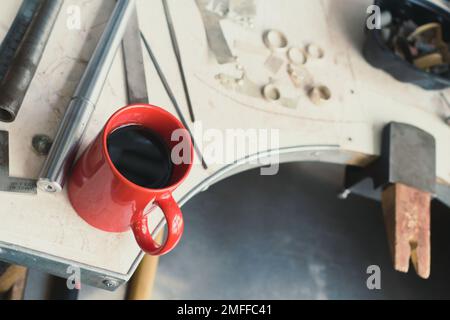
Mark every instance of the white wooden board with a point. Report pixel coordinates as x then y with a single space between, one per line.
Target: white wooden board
364 100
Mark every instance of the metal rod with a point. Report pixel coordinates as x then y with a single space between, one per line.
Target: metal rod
82 105
17 80
176 49
16 33
172 98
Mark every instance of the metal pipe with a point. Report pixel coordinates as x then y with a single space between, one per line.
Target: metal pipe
16 33
176 49
17 80
82 105
172 98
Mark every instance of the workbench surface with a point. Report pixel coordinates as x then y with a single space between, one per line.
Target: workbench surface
44 232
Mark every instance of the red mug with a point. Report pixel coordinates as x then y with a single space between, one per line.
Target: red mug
105 199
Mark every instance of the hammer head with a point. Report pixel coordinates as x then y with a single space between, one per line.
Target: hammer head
409 157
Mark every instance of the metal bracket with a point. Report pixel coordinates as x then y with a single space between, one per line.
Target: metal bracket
216 39
7 183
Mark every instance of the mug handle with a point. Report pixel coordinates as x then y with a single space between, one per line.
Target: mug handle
175 227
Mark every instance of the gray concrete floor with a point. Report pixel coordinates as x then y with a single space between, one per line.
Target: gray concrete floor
285 237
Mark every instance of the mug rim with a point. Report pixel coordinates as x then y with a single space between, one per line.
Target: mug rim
107 131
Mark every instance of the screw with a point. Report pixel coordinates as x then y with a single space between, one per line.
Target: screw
110 283
344 195
50 188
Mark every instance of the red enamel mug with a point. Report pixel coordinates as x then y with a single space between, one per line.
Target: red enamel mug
105 199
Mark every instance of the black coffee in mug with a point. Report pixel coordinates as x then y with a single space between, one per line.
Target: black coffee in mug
141 156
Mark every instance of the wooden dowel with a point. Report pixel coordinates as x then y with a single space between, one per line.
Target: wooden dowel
143 280
11 276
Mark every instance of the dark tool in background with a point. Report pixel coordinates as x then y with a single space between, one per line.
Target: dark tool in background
380 55
172 97
176 49
23 66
